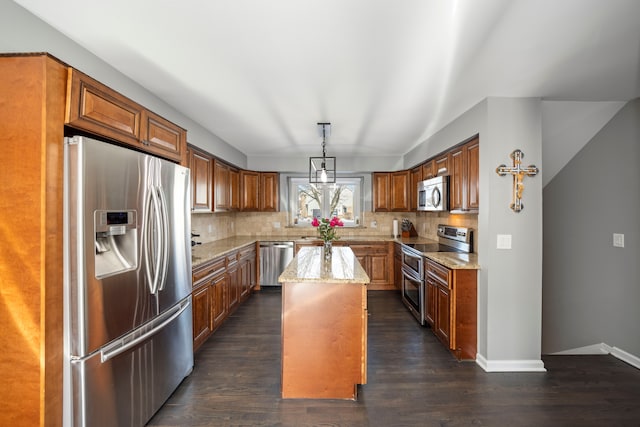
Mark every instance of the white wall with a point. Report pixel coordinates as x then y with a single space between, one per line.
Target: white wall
20 31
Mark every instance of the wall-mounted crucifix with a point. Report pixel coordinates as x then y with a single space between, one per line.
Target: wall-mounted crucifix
518 173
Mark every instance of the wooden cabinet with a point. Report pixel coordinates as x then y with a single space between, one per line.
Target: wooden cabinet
98 109
415 178
234 281
400 197
33 91
463 183
441 165
249 184
269 194
391 191
200 165
219 300
397 266
234 189
451 308
428 169
376 259
381 191
472 181
259 191
202 316
221 187
219 286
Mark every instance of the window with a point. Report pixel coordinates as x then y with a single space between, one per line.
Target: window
341 199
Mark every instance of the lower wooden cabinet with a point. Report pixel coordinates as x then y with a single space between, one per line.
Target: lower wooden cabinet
397 266
451 308
377 260
219 286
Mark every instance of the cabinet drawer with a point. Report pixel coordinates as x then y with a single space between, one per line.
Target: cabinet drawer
232 259
440 274
211 269
247 252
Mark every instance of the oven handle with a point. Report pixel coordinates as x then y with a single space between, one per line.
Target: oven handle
410 275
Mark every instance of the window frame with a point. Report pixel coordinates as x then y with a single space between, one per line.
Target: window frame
358 203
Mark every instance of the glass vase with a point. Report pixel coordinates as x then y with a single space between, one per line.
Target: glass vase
327 249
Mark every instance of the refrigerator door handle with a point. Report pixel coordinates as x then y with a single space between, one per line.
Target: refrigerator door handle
164 246
153 258
127 342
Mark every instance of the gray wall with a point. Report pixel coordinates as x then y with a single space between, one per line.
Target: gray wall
591 290
509 281
20 31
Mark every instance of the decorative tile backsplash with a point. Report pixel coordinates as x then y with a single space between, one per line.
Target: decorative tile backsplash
265 224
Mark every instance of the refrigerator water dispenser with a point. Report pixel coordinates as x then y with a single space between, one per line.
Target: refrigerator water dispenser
116 242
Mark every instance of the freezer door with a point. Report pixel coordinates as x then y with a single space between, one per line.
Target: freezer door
127 247
126 382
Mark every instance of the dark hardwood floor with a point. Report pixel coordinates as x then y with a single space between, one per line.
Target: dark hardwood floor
412 381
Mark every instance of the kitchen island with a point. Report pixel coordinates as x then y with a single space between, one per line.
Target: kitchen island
324 325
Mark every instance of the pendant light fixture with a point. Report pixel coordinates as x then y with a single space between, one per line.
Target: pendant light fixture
322 170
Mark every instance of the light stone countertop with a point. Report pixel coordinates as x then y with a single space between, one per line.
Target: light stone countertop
200 254
309 266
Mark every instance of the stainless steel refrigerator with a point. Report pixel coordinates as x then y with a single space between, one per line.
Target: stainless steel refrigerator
127 325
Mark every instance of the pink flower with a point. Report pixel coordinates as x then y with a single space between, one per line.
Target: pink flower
315 222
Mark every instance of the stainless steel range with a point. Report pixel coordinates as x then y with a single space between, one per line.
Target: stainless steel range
450 239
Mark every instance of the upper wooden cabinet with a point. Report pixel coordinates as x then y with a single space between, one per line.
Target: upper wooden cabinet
441 165
234 189
400 198
463 184
269 194
391 191
200 165
416 177
259 191
222 189
381 191
427 169
98 109
249 184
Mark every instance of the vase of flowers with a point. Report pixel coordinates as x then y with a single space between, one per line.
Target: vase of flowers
327 232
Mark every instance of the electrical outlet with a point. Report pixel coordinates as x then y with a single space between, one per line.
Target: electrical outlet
618 240
210 228
504 241
374 224
276 224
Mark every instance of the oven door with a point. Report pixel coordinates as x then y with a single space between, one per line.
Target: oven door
413 294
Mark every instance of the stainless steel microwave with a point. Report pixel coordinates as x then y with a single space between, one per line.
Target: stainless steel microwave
433 194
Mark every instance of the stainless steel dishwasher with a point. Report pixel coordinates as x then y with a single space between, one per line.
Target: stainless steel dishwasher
274 258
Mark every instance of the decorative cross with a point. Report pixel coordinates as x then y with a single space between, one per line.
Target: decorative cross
518 173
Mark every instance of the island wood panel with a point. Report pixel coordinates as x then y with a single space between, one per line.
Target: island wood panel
32 107
324 336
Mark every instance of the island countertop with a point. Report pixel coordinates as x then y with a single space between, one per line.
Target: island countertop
309 266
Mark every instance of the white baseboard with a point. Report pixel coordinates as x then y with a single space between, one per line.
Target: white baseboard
510 365
603 348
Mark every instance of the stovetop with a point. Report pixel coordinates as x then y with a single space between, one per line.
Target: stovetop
432 247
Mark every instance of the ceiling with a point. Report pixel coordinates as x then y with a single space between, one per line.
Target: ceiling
386 74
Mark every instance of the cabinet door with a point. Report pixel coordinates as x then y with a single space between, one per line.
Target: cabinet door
220 300
416 177
162 137
379 269
400 191
234 287
397 267
427 170
221 186
234 189
381 194
472 174
269 197
200 165
249 181
456 179
443 326
430 303
202 315
98 109
441 165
